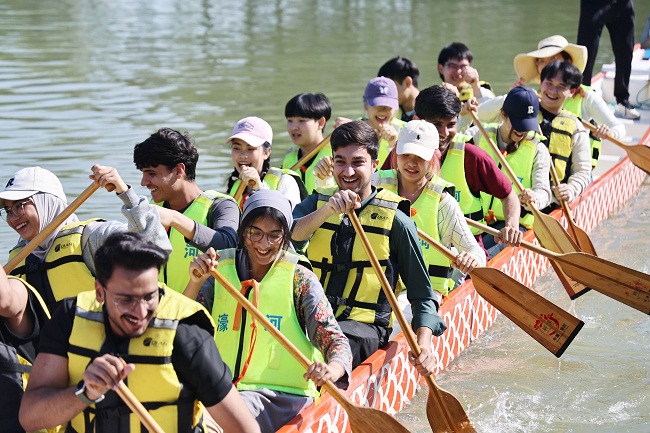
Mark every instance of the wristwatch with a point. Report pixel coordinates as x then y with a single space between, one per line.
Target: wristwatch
81 393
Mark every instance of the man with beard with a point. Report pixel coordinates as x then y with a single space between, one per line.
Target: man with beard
338 258
130 327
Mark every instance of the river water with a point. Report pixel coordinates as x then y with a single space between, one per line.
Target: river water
82 81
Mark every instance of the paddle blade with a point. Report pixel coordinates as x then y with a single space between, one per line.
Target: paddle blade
369 420
547 323
582 239
626 285
640 156
445 413
552 236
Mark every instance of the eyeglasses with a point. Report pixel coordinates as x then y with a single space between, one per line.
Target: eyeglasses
129 303
256 235
456 66
17 209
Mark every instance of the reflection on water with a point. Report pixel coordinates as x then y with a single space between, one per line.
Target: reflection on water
509 383
82 81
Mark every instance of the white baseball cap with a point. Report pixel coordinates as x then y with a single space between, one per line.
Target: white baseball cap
418 137
29 181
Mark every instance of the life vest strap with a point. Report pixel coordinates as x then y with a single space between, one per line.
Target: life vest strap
346 267
476 216
440 271
31 268
338 301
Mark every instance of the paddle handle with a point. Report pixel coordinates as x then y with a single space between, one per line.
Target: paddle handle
284 341
610 137
565 205
385 285
56 222
241 188
137 408
532 247
437 245
312 153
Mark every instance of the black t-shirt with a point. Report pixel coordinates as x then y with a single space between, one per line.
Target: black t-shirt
26 346
195 357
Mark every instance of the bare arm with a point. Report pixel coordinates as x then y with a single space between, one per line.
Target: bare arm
232 414
13 306
510 234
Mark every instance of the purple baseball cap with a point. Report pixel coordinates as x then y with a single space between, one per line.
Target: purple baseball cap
381 91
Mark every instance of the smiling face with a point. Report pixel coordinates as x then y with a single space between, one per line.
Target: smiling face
412 168
264 241
379 114
446 127
508 134
353 169
305 132
28 224
454 71
244 154
124 288
554 91
161 182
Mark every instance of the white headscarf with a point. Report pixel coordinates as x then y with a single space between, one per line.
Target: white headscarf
48 207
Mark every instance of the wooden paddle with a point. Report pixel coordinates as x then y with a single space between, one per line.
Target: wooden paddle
444 411
578 235
626 285
312 153
362 419
547 323
56 222
240 189
548 230
136 407
639 154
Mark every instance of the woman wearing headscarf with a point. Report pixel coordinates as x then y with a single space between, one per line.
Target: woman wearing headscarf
272 383
62 264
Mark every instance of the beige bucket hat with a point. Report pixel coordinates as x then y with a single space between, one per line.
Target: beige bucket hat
525 64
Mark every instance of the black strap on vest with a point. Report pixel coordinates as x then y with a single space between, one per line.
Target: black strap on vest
31 268
440 271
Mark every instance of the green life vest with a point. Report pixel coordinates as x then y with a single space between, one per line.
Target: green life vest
453 170
425 214
361 298
154 381
63 273
521 163
271 366
307 172
175 273
272 179
574 106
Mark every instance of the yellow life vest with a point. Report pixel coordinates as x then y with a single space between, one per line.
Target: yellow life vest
425 214
560 143
175 274
271 366
14 375
272 179
521 163
153 382
453 170
63 273
361 298
574 106
306 172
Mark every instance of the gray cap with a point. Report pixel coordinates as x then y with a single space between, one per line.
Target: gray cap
269 198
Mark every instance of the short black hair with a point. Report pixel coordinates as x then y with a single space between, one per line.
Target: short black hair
356 133
261 212
455 50
167 147
437 102
398 68
570 74
309 105
127 250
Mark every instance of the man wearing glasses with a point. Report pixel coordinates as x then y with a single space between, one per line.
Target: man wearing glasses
134 329
455 68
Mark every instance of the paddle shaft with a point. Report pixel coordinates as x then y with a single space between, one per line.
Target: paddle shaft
241 188
56 222
284 341
137 408
451 417
565 205
312 153
610 137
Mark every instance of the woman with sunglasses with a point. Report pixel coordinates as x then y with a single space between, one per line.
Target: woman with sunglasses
272 383
62 265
